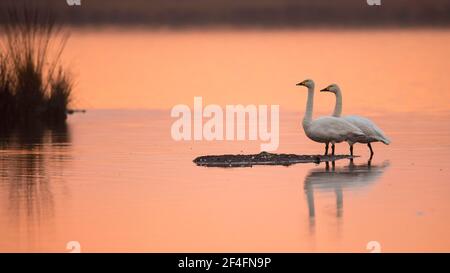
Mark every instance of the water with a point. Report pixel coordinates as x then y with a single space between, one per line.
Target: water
114 180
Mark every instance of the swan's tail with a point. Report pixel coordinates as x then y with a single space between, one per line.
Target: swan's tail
385 140
381 136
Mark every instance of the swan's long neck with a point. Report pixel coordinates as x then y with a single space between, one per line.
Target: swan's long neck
309 107
338 107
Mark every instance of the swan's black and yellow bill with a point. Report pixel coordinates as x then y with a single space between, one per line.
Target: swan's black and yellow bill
301 83
325 89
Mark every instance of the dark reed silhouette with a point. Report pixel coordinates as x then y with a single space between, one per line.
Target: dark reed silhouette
34 86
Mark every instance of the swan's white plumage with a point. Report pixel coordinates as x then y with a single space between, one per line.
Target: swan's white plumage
332 130
371 131
327 129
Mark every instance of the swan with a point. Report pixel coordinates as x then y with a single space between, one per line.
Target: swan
371 131
326 129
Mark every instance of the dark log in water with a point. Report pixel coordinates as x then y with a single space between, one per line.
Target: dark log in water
263 158
73 111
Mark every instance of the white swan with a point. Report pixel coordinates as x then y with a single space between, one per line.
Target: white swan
371 131
326 129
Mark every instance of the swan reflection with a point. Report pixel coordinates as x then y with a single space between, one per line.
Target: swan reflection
338 180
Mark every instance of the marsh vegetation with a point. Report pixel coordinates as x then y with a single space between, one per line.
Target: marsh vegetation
34 85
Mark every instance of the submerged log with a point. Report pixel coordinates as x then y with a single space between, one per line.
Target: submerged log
263 158
73 111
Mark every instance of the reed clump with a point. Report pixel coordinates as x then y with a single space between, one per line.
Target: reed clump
34 85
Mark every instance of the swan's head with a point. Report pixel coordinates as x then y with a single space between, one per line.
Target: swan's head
308 83
333 88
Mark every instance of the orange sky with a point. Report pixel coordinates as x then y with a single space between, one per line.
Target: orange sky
393 71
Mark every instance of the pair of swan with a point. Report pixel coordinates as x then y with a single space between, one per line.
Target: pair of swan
335 129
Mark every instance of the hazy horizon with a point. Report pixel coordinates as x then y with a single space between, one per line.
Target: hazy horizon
250 13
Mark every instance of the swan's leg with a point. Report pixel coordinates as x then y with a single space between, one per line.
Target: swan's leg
339 201
332 148
326 148
371 150
351 149
351 165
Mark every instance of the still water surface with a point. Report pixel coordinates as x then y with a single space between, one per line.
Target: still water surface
114 180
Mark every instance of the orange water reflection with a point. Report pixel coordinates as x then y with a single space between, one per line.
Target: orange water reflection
123 184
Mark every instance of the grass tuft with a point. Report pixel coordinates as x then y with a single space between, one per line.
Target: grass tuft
34 85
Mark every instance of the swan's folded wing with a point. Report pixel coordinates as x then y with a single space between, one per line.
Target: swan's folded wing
368 127
333 128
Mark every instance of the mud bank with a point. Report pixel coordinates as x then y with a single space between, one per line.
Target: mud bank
263 158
